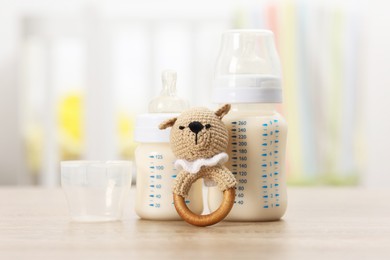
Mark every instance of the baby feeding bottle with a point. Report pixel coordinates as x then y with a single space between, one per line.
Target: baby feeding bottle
248 75
155 160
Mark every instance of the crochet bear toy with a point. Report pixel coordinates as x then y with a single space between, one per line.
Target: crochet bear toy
199 140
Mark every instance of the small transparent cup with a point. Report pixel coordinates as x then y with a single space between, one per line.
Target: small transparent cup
96 190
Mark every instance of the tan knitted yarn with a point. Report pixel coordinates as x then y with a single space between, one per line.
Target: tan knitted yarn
220 174
199 133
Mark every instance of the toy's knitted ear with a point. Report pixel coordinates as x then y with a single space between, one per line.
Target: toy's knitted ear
167 123
222 111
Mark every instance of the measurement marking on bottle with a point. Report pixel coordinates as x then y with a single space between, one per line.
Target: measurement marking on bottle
267 164
156 180
276 158
239 158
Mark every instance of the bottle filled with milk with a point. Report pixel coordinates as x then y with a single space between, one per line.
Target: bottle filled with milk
248 75
155 161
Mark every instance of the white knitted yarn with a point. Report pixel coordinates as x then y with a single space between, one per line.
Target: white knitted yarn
194 166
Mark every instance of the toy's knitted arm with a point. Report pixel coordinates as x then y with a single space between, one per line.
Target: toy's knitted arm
183 183
219 174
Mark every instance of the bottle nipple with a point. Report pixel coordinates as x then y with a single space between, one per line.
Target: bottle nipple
249 62
168 101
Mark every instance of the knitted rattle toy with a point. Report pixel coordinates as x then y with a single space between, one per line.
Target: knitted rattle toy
199 140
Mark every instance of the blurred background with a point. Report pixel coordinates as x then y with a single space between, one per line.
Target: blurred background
73 75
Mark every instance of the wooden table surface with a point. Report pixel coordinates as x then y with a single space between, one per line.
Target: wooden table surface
321 223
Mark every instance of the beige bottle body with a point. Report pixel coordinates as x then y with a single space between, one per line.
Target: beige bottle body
257 144
155 178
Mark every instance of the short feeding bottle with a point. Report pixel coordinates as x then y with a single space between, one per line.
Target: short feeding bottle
248 75
155 160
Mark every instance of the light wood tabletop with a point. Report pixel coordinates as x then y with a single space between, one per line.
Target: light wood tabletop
321 223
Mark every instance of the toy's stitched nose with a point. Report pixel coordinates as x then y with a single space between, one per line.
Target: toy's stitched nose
195 127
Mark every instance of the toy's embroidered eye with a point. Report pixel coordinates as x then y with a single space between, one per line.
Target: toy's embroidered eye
207 126
181 127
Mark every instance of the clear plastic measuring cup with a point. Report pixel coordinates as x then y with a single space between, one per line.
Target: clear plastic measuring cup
96 190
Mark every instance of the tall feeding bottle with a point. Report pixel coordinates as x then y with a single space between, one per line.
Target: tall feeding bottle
248 75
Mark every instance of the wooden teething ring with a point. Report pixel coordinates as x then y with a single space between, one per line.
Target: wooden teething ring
209 219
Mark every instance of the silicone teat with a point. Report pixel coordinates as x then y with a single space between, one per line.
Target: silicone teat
168 101
249 61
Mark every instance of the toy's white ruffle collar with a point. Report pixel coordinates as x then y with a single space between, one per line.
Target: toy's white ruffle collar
194 166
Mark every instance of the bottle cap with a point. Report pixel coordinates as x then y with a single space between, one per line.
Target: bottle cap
248 68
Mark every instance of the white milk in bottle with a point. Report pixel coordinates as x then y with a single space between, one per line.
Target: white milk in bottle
248 75
155 160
